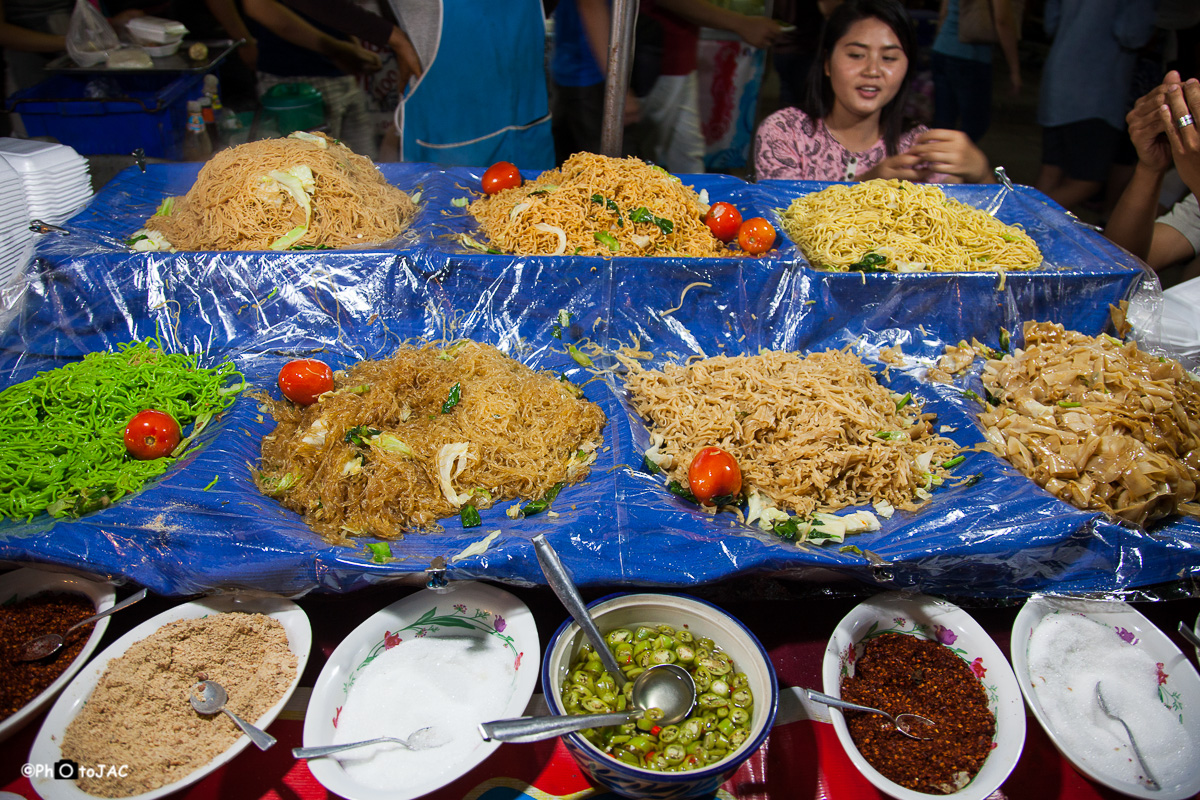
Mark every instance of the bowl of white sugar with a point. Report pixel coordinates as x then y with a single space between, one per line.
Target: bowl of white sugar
1061 648
445 661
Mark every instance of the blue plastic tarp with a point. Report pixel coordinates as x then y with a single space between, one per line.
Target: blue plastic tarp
1001 537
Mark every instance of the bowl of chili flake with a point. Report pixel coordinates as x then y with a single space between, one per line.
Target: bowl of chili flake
923 655
32 602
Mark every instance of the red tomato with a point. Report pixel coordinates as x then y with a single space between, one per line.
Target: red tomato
756 236
723 220
151 434
500 176
304 380
714 473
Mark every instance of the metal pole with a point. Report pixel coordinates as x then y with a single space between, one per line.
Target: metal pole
616 82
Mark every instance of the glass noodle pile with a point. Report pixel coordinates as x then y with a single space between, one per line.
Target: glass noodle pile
810 433
302 192
599 206
899 226
405 441
1097 423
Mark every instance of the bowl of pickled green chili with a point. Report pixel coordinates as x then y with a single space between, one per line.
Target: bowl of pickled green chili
923 655
737 694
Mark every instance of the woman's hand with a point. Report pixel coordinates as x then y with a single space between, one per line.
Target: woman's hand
1146 127
951 153
1182 101
902 166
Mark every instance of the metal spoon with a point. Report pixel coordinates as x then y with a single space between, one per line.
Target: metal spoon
51 643
209 697
560 581
1150 781
1188 633
901 721
420 739
668 687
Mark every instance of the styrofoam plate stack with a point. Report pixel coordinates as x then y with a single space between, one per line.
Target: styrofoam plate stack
55 178
16 240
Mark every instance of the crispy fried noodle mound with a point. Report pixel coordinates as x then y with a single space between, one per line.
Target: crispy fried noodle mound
812 432
405 441
302 192
1097 423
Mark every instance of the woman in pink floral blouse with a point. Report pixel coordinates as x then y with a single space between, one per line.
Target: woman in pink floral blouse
851 126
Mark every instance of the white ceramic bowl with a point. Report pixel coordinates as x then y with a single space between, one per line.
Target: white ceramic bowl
944 622
46 747
22 583
1179 684
679 611
468 609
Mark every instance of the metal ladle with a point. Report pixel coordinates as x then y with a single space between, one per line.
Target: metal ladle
420 739
900 721
50 643
668 687
209 697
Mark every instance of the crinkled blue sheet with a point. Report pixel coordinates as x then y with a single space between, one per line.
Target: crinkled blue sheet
1001 537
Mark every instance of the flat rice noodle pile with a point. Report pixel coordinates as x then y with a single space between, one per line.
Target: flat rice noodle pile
1097 423
236 205
523 432
805 430
597 203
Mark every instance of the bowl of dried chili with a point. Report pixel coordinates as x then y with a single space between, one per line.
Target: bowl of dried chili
904 652
33 602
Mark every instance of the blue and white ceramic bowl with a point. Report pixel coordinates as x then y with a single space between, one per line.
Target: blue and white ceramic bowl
702 619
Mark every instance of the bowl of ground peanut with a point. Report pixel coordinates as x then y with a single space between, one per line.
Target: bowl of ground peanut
33 602
922 655
124 727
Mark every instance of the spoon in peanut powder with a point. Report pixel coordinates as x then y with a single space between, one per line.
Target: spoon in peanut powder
48 644
209 697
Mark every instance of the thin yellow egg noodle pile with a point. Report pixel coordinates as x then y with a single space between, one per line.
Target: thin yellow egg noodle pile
900 226
1098 423
812 432
597 205
301 192
396 446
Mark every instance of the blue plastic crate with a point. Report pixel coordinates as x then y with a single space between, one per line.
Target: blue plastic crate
112 113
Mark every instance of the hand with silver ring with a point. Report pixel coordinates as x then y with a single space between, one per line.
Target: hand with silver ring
1184 121
1181 104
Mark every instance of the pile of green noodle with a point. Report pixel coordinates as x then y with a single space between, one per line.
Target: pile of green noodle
63 430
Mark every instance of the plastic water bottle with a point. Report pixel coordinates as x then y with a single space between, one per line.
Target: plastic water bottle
196 144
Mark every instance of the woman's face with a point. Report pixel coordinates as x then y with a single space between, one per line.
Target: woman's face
866 68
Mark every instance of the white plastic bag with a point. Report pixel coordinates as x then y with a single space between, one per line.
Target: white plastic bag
89 36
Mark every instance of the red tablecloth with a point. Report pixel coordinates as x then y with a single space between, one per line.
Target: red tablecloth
799 760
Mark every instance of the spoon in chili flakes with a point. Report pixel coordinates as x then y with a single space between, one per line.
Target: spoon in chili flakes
50 643
902 722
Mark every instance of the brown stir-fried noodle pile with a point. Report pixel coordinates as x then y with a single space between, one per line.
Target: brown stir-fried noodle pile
812 433
236 204
903 227
519 433
593 204
1097 423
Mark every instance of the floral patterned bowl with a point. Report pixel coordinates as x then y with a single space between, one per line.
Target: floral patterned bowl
946 623
1178 684
473 611
702 619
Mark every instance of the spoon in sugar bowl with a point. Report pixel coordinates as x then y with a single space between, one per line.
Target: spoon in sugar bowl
420 739
905 722
1141 760
48 644
209 697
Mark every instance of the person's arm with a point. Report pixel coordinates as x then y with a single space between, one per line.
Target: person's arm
288 25
1131 224
14 37
226 14
754 31
1007 30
